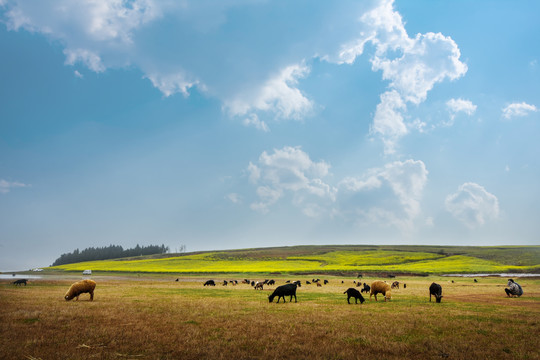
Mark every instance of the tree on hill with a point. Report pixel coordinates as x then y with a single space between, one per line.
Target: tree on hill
108 252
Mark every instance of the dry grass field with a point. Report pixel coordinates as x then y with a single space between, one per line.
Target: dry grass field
159 318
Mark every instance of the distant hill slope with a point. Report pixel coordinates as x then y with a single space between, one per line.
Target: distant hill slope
411 259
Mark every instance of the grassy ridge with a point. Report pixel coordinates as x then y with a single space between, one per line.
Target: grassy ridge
321 259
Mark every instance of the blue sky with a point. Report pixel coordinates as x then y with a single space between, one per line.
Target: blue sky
235 124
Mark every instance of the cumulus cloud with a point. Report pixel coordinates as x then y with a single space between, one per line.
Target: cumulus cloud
420 63
6 186
389 195
472 205
227 62
279 93
173 83
288 170
518 110
253 120
456 106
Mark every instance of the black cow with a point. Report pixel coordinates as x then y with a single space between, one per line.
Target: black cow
436 290
325 282
210 283
271 282
282 291
352 292
20 282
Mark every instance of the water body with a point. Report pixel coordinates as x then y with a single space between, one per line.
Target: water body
500 275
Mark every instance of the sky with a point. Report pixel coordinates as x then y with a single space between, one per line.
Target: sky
238 124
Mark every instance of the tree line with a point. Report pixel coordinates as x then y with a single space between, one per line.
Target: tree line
108 252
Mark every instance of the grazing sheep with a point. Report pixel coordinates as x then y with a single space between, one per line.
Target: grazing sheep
435 290
210 283
259 285
395 285
380 287
80 287
514 289
366 288
20 282
282 291
352 292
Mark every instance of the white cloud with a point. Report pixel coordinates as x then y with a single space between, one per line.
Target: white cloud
78 74
88 58
472 205
279 94
518 110
234 198
459 105
456 106
289 170
411 65
95 20
389 195
170 84
388 120
6 186
253 120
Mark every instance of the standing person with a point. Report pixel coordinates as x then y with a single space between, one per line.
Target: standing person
514 289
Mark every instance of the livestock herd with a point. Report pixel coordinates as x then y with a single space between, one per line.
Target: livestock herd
289 289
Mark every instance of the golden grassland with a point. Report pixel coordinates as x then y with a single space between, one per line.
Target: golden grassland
156 317
319 259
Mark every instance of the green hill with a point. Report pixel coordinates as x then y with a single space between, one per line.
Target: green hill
343 259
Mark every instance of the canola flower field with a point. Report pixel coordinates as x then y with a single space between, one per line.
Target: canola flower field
331 259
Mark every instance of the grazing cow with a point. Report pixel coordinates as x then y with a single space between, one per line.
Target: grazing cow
272 282
210 283
20 282
288 281
404 285
319 284
297 283
225 282
395 285
252 283
325 282
246 281
435 290
282 291
380 287
259 285
359 276
308 283
81 287
366 288
475 280
352 292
